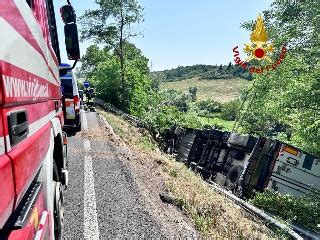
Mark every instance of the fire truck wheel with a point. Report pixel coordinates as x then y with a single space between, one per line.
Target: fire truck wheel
233 176
55 172
58 209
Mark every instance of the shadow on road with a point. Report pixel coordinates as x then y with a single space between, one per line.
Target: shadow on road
70 133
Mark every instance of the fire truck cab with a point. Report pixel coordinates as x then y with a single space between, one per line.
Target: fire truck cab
33 165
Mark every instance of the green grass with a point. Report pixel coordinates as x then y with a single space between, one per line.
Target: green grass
221 90
145 143
227 125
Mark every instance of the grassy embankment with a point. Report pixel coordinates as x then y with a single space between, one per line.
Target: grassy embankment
212 214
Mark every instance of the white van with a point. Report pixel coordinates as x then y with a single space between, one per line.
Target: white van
71 100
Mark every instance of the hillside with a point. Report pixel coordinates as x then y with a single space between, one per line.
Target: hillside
206 72
221 90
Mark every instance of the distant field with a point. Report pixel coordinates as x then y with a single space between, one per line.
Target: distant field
222 90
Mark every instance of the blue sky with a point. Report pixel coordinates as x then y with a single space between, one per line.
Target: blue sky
180 32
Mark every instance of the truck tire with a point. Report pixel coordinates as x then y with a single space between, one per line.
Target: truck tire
58 210
55 174
58 203
233 176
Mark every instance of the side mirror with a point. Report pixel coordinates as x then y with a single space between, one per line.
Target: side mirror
72 41
68 14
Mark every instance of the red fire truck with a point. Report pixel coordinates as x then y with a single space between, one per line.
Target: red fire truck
33 166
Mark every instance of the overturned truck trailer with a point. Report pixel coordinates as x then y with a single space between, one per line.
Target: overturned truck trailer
279 167
246 164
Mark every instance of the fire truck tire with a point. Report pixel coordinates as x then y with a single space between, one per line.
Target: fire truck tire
55 172
233 176
58 209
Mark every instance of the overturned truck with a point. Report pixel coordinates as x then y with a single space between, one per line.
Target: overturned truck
245 164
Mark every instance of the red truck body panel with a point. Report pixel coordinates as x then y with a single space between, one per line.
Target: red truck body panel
33 225
25 169
29 81
6 188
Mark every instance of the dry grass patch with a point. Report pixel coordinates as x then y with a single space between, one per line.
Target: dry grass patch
221 90
131 135
212 214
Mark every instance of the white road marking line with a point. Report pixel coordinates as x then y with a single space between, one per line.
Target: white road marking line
91 228
84 121
86 145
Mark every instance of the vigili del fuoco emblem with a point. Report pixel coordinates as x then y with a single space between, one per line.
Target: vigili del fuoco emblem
259 49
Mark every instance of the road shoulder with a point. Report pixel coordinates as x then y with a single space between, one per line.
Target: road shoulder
150 183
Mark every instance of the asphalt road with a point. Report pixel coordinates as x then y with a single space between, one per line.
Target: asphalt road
102 200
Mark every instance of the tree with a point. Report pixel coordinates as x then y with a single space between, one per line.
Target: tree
193 92
103 70
229 66
89 62
112 25
286 103
220 68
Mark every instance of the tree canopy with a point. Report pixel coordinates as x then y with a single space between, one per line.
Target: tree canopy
112 25
286 103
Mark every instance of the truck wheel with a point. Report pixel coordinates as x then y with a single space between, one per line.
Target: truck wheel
58 209
233 176
55 172
58 202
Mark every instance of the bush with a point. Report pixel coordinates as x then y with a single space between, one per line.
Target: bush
303 210
209 106
193 93
178 99
190 119
230 110
160 118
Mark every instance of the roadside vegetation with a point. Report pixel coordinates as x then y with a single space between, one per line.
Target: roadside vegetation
212 214
282 104
285 104
303 210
